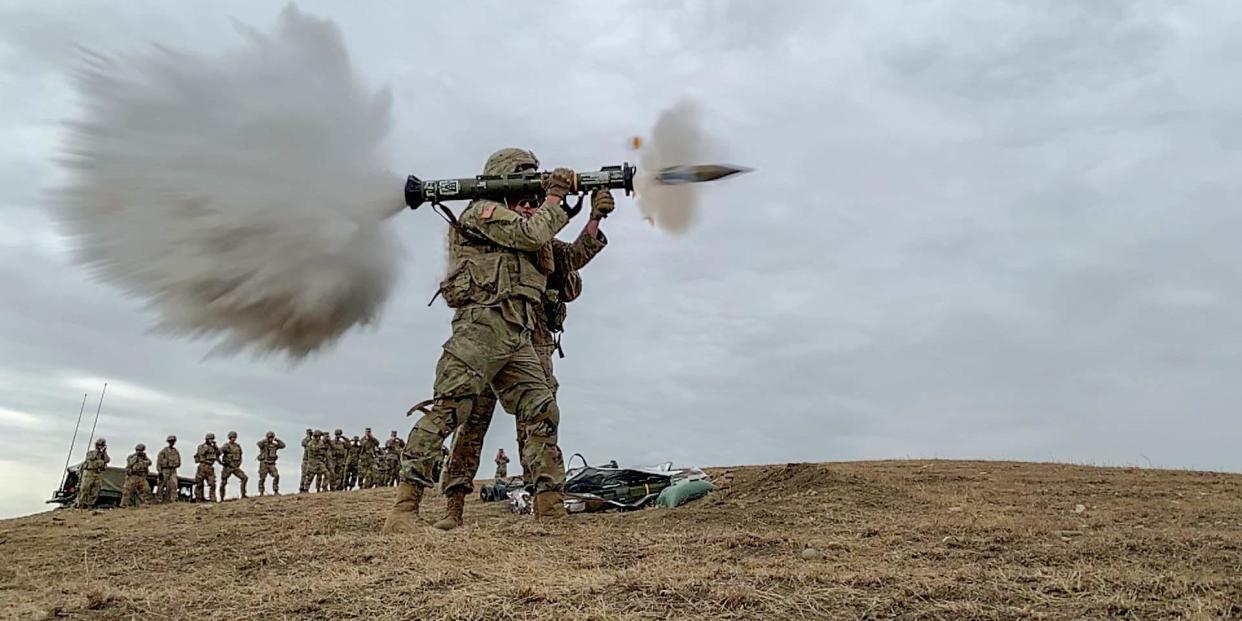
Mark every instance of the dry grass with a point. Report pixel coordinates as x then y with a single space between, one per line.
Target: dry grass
896 540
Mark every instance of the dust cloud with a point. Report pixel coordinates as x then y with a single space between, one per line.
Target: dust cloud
676 139
243 196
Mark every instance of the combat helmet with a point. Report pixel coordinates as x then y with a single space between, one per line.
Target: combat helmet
510 160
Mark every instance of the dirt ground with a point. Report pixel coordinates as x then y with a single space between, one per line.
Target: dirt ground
888 540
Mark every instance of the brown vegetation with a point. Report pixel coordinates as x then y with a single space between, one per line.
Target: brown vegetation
890 540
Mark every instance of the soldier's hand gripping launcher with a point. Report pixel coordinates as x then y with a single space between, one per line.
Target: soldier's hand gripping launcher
517 185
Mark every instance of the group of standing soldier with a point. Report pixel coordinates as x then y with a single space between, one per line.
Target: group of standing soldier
136 490
337 462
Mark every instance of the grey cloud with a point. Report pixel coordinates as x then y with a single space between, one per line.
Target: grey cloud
976 230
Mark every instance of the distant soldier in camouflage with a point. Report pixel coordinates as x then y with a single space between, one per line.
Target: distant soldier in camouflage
391 464
329 459
137 490
392 458
499 262
231 458
305 461
502 464
316 471
206 456
267 462
340 457
564 284
91 474
167 462
351 463
368 459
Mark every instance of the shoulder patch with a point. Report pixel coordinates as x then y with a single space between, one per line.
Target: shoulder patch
487 212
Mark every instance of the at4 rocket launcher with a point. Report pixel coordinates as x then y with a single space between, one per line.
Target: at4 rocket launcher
528 184
523 184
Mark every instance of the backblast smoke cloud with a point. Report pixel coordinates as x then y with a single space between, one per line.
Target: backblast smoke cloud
242 196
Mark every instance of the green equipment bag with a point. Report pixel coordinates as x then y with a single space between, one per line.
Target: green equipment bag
683 492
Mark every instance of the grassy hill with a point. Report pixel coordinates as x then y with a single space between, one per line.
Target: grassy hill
891 540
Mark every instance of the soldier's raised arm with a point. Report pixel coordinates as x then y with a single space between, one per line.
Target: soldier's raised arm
280 443
509 229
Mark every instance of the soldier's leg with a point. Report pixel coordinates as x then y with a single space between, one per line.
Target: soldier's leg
243 479
127 492
275 479
456 388
225 473
304 485
262 477
200 476
467 449
522 386
211 481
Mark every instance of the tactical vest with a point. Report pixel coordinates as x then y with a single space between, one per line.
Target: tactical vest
483 273
169 459
96 461
232 455
137 466
207 454
267 452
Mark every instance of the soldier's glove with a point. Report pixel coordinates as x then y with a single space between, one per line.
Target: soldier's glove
557 184
601 204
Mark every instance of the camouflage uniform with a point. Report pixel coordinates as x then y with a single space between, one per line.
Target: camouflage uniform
305 462
91 475
231 457
392 460
206 456
502 464
167 462
351 464
499 265
328 457
267 463
463 462
137 489
315 471
366 461
340 457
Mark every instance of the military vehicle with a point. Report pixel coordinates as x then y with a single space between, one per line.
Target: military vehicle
110 491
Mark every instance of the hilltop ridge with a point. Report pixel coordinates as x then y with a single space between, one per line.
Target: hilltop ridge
887 540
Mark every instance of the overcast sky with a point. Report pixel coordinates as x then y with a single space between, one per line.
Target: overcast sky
988 229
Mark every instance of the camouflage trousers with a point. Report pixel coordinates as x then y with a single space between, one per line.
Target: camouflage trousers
232 471
167 490
338 475
136 491
266 469
206 473
486 354
88 489
314 472
329 480
467 451
351 476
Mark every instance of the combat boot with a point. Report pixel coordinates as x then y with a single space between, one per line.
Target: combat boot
221 493
452 515
243 489
403 518
276 487
549 506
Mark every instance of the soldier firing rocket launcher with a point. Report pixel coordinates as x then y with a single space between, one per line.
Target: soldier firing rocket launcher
524 184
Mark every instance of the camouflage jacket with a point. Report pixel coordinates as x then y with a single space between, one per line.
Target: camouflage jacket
394 445
369 444
340 450
314 450
502 460
325 451
499 258
366 456
351 457
206 454
392 459
231 454
564 283
137 465
306 443
96 461
267 450
168 459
